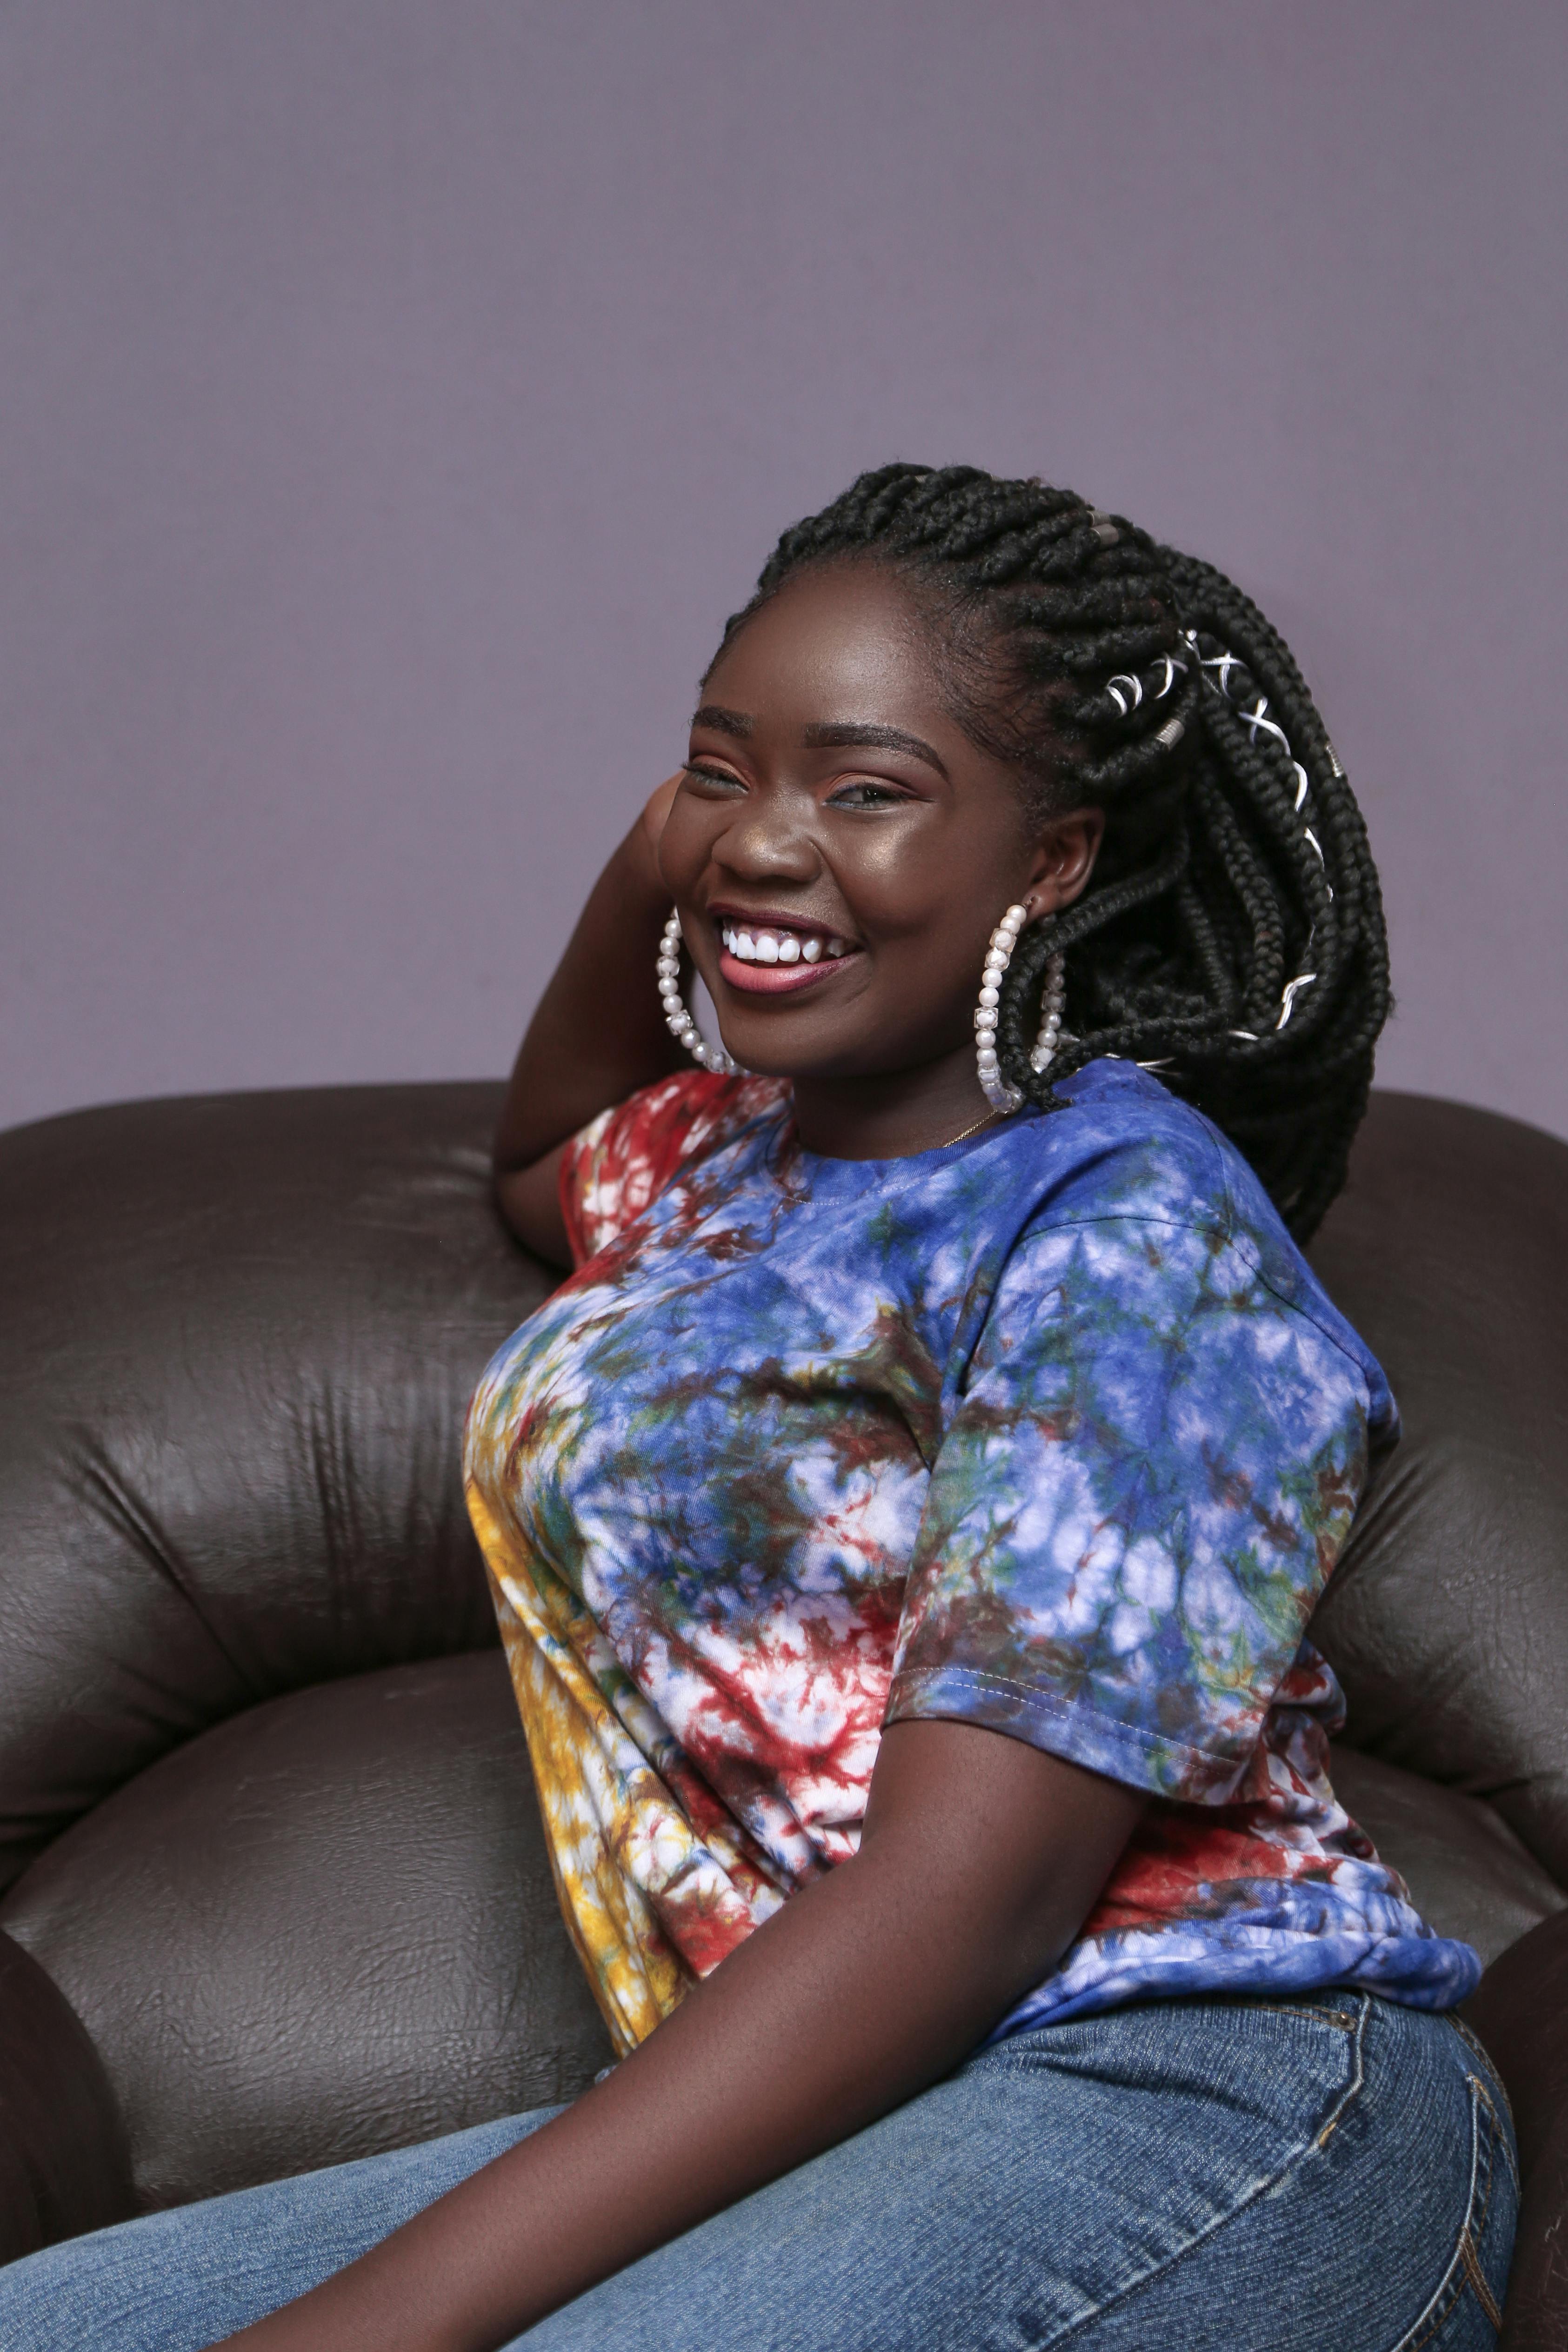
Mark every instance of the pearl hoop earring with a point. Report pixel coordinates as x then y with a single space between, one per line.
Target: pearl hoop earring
999 955
677 1020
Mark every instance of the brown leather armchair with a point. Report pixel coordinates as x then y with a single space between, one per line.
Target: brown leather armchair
273 1891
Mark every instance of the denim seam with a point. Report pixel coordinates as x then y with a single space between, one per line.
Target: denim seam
1485 2085
1478 2279
1342 2021
1254 2196
1475 2224
1464 2261
1488 2067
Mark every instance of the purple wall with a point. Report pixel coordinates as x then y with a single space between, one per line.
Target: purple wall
397 396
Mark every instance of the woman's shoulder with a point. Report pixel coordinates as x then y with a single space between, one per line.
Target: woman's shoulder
1131 1153
1125 1147
624 1159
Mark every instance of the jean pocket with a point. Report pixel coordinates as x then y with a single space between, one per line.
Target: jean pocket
1465 2313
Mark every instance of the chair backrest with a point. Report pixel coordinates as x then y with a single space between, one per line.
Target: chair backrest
240 1332
1448 1617
237 1340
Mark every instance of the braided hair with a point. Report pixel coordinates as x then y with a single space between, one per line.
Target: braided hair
1232 937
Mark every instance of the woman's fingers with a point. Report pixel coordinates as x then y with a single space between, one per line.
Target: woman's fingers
657 808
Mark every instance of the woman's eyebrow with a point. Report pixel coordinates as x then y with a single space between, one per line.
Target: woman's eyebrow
833 732
723 721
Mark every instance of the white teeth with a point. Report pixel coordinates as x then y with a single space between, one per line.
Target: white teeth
779 947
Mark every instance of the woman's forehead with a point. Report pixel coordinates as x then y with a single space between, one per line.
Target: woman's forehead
842 644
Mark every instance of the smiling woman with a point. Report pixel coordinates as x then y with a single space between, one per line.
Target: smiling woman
904 1525
872 851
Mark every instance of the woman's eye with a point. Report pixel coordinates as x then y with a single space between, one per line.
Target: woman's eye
865 796
718 777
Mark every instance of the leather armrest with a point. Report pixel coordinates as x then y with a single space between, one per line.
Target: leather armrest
1521 2013
65 2163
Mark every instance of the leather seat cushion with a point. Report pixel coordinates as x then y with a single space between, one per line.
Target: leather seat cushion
239 1337
325 1928
1447 1618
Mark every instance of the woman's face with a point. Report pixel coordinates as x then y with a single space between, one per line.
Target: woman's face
840 851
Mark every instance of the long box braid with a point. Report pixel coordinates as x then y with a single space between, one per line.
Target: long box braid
1233 938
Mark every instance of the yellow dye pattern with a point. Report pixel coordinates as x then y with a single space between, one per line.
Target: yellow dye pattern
598 1793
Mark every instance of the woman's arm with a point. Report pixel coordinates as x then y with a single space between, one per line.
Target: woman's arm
980 1861
597 1035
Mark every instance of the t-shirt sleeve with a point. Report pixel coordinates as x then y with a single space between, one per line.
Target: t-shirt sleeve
1152 1466
620 1163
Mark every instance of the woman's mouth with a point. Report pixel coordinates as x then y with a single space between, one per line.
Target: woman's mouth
775 959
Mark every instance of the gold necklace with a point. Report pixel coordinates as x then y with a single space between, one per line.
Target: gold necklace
968 1131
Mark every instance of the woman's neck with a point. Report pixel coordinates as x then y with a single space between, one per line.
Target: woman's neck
892 1116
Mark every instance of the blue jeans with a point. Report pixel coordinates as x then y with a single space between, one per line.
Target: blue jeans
1335 2174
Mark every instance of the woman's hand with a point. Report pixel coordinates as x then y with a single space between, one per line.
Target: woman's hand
979 1860
597 1035
657 812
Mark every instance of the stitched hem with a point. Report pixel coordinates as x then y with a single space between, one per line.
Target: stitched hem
914 1686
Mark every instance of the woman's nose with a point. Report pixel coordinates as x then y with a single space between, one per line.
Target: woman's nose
761 841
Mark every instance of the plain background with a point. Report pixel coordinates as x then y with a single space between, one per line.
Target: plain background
398 393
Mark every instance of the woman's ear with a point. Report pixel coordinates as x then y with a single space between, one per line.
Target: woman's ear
1065 859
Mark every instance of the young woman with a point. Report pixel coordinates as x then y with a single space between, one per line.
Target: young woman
904 1526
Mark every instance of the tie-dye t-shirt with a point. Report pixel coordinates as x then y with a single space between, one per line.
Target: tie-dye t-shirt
1052 1430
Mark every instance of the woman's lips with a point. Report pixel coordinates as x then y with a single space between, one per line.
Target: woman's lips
764 955
777 978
